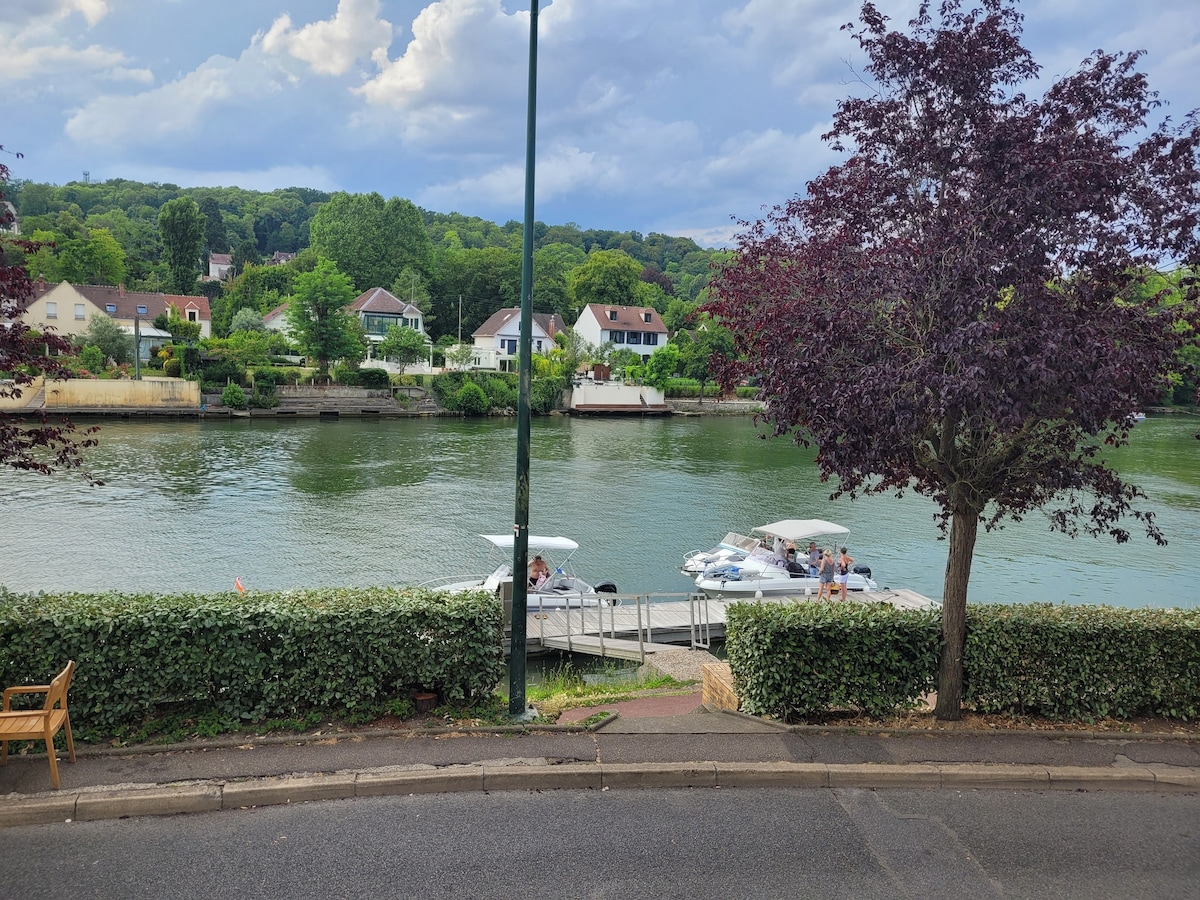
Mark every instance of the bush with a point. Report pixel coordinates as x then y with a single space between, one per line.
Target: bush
794 660
264 399
501 392
346 375
266 377
233 396
172 367
471 400
251 657
220 372
92 358
374 379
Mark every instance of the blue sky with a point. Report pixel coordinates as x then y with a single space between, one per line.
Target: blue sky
677 116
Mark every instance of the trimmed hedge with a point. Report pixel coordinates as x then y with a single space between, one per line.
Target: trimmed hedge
806 659
251 657
792 660
1082 662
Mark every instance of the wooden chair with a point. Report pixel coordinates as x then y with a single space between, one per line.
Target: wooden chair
39 724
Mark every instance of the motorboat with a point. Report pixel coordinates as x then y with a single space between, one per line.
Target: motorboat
732 547
765 570
560 589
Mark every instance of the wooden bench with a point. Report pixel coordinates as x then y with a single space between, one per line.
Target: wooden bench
39 724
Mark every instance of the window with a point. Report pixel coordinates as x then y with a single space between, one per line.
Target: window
651 338
193 315
617 337
79 312
612 315
510 346
646 317
51 310
141 310
634 337
539 345
110 308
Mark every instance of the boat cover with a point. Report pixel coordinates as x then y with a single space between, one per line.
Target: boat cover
797 530
536 542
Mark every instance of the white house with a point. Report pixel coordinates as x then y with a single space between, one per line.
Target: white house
378 310
497 341
636 328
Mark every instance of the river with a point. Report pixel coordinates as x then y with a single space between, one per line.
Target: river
190 505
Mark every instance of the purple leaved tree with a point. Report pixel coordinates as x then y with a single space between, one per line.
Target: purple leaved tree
41 445
960 308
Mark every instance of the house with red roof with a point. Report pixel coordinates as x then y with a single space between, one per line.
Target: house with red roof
636 328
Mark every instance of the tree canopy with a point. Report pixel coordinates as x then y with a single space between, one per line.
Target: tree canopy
318 318
951 309
181 227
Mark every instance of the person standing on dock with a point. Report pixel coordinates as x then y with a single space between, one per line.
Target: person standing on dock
825 573
845 564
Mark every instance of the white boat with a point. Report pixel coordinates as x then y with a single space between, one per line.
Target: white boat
763 572
562 588
733 547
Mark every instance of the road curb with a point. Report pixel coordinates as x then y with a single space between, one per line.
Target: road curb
211 796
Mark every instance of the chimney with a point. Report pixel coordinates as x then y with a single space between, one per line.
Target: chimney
41 284
121 289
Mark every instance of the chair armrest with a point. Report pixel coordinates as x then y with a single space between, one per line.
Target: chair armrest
24 689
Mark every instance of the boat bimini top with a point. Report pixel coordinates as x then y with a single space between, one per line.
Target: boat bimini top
797 530
537 542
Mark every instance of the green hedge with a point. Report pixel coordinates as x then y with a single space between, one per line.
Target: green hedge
1082 662
798 660
792 660
251 657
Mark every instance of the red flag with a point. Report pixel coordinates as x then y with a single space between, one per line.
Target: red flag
237 583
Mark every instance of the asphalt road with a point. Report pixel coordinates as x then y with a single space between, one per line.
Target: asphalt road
632 844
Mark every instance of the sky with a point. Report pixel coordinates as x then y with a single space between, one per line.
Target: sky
677 116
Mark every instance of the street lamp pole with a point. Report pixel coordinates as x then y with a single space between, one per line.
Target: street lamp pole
520 595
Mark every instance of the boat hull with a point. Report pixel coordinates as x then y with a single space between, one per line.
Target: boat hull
752 587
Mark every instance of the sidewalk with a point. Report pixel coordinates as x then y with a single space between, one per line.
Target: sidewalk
658 741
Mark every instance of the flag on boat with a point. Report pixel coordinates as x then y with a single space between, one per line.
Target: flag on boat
237 583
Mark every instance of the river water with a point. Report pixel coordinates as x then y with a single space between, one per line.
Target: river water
190 505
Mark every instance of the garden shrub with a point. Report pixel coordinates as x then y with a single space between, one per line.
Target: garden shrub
233 396
92 359
471 400
374 379
347 375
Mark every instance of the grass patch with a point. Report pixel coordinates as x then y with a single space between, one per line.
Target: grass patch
565 687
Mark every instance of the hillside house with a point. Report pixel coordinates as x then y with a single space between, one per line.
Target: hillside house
636 328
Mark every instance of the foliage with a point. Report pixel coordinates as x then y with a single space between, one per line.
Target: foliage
923 315
233 396
1082 662
471 400
181 329
370 240
545 394
486 280
92 358
793 660
663 364
609 277
181 228
173 368
109 337
403 346
318 318
246 319
374 379
251 657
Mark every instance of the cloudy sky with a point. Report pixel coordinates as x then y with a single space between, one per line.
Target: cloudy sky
656 115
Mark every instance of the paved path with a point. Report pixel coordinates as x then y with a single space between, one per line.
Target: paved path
657 741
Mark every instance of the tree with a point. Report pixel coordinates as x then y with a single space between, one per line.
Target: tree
215 238
25 355
946 311
610 277
404 346
662 366
370 240
181 227
246 253
318 318
112 340
246 319
704 355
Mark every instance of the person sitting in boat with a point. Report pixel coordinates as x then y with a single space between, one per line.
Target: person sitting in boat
538 571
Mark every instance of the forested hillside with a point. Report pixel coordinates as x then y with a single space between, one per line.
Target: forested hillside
457 268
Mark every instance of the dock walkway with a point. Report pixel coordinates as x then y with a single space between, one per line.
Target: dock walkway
643 624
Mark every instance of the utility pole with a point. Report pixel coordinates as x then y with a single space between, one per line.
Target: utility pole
516 658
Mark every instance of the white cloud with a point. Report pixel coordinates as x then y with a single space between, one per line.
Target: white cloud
332 46
33 46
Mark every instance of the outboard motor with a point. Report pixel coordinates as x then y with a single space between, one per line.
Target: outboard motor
864 571
608 587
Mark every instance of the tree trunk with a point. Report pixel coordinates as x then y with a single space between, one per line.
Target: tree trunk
964 528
